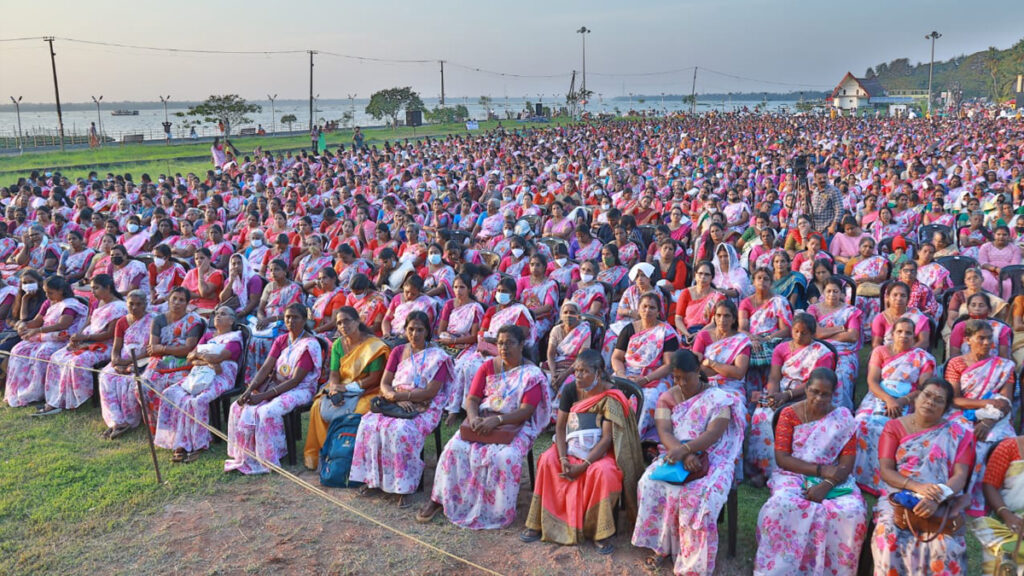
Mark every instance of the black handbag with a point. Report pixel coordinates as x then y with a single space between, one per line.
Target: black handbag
379 405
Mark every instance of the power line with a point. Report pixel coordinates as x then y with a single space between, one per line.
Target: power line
186 50
507 74
21 39
661 73
726 74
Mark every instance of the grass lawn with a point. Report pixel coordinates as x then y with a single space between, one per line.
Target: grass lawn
154 158
64 487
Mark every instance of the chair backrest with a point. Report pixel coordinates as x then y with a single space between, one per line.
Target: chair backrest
325 366
647 234
597 330
632 392
849 288
957 266
551 242
1014 274
835 352
243 361
925 233
491 259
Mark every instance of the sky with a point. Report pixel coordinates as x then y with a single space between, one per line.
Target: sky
642 47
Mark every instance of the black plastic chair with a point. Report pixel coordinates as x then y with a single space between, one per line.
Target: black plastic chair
849 288
293 419
925 233
1014 274
437 453
957 266
221 405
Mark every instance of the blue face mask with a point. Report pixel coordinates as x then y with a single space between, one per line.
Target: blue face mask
502 298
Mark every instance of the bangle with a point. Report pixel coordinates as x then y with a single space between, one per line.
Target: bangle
906 480
1001 508
830 483
501 420
587 461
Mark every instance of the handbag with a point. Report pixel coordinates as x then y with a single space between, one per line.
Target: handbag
836 491
502 433
379 405
676 472
1008 564
938 523
198 380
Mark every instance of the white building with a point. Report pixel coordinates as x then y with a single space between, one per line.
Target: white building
853 93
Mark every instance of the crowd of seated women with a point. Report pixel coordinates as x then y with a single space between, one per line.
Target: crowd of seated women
681 320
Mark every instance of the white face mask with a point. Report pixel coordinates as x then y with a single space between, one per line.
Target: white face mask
561 261
256 243
586 278
517 252
434 259
502 298
133 228
159 261
30 288
606 206
507 233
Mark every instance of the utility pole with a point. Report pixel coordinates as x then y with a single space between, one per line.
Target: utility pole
167 123
931 67
311 53
693 93
17 108
99 118
273 114
583 31
442 83
56 90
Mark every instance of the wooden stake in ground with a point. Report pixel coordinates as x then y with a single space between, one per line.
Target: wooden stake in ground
145 416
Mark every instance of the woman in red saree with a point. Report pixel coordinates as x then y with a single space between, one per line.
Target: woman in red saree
595 457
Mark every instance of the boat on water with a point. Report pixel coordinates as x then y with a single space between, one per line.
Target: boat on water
125 113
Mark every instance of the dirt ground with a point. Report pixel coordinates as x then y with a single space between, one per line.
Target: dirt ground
273 526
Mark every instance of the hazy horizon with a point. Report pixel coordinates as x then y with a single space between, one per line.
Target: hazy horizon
799 46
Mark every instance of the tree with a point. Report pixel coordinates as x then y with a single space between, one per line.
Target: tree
288 119
447 115
231 109
347 117
992 62
485 102
391 101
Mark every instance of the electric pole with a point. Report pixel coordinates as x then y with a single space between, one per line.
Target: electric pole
273 114
442 83
583 31
56 90
931 67
311 53
693 93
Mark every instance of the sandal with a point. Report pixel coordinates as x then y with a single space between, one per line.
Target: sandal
654 561
118 431
178 456
364 491
404 502
46 410
528 536
604 547
106 433
192 456
427 513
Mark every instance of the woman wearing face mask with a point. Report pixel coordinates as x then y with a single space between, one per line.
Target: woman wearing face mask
164 274
590 293
613 273
135 237
437 275
804 528
68 378
564 272
129 274
792 363
287 379
506 310
59 317
256 250
74 262
516 262
242 289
